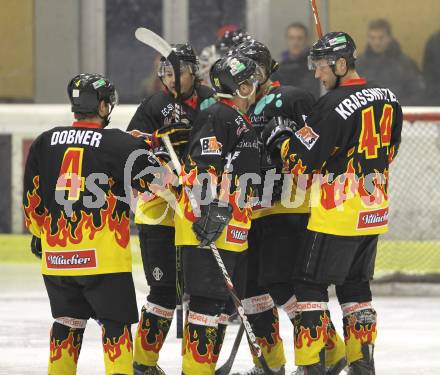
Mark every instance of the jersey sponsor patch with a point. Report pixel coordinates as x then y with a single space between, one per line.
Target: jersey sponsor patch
71 259
210 146
307 136
372 219
236 234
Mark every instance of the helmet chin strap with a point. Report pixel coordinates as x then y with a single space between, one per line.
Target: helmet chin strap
106 119
338 77
254 87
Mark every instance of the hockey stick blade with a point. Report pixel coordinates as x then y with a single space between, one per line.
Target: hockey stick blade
153 40
227 366
156 42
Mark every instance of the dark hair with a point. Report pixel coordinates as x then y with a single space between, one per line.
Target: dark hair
298 25
83 116
380 24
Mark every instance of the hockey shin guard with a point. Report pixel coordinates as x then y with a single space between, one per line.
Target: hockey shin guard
200 337
117 344
334 347
263 317
359 320
151 332
311 325
221 331
66 338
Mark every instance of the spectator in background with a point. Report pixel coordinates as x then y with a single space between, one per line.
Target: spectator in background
293 68
384 62
431 69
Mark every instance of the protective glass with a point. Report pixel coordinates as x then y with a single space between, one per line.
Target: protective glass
324 62
166 69
251 81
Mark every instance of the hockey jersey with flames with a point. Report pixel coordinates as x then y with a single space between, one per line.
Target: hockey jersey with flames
292 103
223 153
350 138
76 200
153 113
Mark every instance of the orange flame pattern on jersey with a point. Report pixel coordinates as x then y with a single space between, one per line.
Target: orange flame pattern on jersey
33 201
348 184
304 335
298 168
109 220
67 345
114 350
189 178
380 192
193 348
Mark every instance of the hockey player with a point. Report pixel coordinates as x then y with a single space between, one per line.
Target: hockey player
277 229
349 140
223 151
73 184
153 214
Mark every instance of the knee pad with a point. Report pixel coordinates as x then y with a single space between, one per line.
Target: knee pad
354 292
306 291
206 306
281 292
71 322
258 304
164 296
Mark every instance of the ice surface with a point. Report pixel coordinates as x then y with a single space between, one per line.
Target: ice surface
408 338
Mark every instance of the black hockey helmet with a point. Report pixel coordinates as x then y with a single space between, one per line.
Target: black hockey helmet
331 47
87 90
186 54
232 38
258 52
229 72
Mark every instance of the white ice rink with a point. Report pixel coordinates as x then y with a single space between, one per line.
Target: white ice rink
408 335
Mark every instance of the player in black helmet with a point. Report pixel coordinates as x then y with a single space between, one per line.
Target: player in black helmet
74 176
277 228
223 147
350 137
154 216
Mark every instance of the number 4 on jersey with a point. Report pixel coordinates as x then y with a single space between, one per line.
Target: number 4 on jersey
70 178
369 140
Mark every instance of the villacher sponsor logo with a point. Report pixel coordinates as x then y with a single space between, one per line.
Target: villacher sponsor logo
373 219
69 260
236 234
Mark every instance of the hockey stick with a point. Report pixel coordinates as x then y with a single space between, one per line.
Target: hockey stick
227 366
159 44
316 17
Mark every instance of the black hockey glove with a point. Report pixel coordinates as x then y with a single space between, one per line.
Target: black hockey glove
214 218
178 132
276 131
36 246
